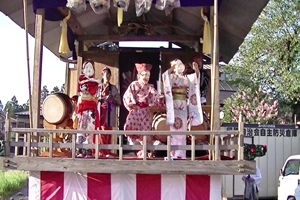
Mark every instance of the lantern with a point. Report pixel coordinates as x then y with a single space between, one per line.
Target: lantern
76 5
167 5
142 6
100 6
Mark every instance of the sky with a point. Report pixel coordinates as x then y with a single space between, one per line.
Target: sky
13 73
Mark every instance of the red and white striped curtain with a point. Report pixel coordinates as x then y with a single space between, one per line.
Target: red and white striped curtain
97 186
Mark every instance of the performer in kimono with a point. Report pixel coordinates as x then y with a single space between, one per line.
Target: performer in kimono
204 78
88 118
137 99
108 100
179 108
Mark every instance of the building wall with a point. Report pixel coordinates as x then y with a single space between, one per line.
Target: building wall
282 141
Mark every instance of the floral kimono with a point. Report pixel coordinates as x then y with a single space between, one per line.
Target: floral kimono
88 118
180 108
139 119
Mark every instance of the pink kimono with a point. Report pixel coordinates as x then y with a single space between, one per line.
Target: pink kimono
142 97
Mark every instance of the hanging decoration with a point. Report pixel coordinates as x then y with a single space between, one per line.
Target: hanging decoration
100 6
122 5
142 6
206 47
77 5
251 151
63 44
167 5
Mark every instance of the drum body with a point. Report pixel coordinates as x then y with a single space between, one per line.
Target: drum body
57 107
160 124
204 126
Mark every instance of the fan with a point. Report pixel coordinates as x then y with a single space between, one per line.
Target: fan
167 5
76 5
100 6
142 6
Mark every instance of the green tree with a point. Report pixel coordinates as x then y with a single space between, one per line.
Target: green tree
269 56
44 93
55 89
13 107
62 88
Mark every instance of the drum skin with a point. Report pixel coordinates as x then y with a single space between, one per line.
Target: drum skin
57 107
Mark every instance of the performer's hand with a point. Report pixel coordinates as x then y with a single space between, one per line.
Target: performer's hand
171 69
83 88
243 178
95 80
109 98
195 66
134 107
104 105
161 98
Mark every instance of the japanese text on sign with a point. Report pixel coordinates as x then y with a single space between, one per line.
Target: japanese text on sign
269 132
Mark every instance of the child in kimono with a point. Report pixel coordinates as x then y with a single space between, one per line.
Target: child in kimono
137 99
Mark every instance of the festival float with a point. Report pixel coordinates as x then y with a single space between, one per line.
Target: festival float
93 31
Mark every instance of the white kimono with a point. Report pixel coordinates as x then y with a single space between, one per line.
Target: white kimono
180 108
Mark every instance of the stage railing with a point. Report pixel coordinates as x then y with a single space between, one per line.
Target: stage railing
34 141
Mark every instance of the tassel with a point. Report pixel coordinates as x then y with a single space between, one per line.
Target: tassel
120 16
206 35
63 44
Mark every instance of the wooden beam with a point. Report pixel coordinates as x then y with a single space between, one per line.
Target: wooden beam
67 80
153 23
224 167
7 134
37 67
116 38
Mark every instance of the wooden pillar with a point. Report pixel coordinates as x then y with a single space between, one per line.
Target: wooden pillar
215 91
7 134
37 73
67 79
37 67
79 59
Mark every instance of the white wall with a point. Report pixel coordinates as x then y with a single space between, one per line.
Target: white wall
279 147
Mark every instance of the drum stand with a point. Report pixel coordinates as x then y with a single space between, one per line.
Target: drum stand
59 138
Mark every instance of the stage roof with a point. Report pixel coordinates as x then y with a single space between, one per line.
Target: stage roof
235 20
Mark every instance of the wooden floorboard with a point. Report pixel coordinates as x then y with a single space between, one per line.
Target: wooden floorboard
128 166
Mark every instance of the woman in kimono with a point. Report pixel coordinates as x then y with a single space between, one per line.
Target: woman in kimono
108 100
137 99
88 118
177 87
